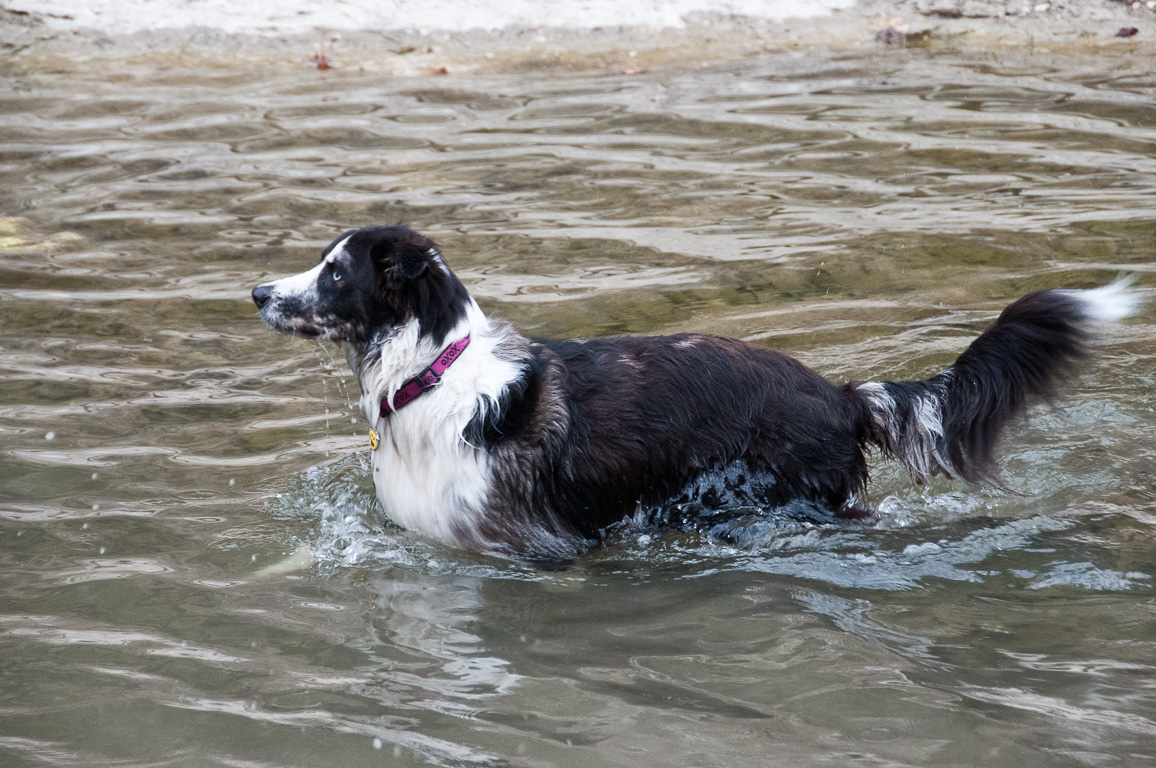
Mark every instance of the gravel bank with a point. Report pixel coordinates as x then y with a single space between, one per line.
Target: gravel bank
463 36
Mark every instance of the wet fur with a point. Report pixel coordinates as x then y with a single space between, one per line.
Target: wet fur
537 447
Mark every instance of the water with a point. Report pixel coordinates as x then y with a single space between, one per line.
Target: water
192 567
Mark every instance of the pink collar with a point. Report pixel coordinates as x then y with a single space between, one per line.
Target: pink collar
427 379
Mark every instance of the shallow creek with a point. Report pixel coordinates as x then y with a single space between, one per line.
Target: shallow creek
193 570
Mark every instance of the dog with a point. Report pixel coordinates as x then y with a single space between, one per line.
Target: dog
491 441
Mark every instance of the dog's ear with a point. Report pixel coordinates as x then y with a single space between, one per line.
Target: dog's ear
408 259
411 261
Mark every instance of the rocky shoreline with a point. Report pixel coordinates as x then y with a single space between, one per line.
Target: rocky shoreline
41 35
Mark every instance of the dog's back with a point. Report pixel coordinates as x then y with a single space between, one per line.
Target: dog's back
634 422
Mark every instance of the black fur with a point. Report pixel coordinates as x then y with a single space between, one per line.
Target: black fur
435 297
643 417
1029 349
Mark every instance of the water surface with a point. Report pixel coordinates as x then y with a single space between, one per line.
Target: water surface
162 453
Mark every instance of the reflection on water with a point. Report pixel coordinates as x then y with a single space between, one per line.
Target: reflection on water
192 566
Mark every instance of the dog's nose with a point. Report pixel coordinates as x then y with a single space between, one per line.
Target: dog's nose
261 295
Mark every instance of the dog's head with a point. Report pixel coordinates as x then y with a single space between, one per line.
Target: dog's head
369 283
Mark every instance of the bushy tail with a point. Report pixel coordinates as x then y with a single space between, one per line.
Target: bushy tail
950 424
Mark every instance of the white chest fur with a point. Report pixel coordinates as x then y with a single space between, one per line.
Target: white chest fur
431 489
428 479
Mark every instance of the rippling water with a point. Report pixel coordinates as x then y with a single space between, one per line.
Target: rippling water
192 567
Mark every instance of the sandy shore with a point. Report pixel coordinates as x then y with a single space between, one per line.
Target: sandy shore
463 36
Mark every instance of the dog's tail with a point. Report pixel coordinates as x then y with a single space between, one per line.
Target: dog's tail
950 424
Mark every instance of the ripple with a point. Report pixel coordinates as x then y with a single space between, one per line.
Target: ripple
45 629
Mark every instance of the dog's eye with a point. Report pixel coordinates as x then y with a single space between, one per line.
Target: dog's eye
336 276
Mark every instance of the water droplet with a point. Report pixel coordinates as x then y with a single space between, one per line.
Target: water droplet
376 743
103 550
95 475
95 507
84 527
50 436
232 481
253 558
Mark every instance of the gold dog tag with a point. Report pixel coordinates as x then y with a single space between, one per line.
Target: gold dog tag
373 440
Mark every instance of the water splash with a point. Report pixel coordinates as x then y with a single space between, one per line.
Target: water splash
345 525
347 530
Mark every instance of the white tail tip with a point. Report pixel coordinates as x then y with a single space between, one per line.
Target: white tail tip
1111 302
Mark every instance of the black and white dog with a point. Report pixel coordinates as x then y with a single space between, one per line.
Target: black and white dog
491 441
